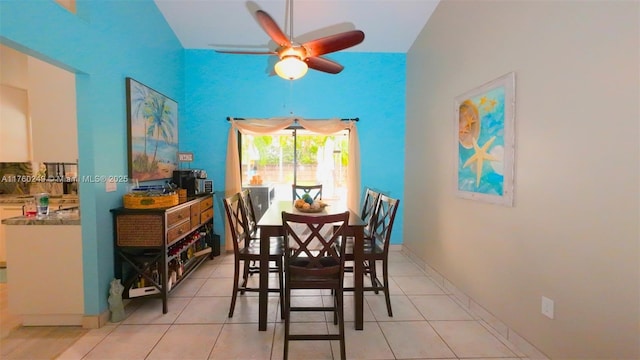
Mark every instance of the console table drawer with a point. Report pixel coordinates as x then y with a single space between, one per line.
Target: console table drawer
195 214
177 216
206 203
206 215
175 232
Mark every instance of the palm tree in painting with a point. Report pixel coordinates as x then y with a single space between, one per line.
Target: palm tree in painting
139 107
158 123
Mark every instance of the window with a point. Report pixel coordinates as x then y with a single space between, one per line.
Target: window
296 155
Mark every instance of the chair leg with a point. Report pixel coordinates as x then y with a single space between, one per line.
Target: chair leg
253 264
245 276
336 304
281 281
373 274
287 320
340 301
236 274
385 278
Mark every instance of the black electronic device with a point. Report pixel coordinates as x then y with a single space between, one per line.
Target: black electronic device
185 179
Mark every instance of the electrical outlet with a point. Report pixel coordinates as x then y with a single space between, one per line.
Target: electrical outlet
111 185
547 307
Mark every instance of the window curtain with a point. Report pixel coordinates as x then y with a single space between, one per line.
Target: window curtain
267 126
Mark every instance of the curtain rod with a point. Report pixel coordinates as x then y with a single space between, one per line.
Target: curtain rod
235 118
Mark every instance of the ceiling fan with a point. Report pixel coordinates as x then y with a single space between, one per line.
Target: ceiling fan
296 58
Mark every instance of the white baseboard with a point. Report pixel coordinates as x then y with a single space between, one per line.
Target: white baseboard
86 321
95 321
51 319
488 319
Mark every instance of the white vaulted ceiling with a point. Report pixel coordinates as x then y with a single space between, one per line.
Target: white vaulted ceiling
389 25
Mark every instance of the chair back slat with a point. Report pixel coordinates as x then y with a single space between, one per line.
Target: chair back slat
252 222
315 191
236 218
383 223
311 243
369 207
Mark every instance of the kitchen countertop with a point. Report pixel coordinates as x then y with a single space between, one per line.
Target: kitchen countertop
55 217
64 217
14 199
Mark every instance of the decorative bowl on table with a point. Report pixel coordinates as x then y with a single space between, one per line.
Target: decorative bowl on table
305 206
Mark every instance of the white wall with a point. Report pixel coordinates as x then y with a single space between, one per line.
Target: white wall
13 67
49 92
572 234
52 97
15 126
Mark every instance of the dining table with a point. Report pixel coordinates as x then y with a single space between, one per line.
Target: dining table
271 225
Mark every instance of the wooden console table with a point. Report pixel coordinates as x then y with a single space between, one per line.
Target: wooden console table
155 249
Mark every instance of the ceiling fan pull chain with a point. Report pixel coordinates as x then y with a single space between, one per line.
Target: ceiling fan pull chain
291 97
291 20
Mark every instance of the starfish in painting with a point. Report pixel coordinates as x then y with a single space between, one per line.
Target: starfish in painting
490 105
469 121
479 157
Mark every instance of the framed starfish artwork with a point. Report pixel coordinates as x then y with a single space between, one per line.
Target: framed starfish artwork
485 142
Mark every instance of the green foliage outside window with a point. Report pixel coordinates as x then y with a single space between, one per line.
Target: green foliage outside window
268 148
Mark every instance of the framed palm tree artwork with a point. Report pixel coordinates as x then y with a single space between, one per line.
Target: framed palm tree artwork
152 133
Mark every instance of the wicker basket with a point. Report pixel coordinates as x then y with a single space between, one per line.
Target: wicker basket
140 230
131 201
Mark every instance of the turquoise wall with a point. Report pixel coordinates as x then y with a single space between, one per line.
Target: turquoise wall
371 87
108 41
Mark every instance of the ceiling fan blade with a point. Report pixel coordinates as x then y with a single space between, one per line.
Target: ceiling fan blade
247 52
325 65
333 43
272 29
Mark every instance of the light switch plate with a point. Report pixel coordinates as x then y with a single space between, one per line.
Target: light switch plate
111 185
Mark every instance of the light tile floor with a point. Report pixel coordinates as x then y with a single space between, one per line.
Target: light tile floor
428 323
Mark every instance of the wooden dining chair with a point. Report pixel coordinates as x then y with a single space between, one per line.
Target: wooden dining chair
252 226
247 254
368 211
249 210
377 249
315 191
312 260
368 215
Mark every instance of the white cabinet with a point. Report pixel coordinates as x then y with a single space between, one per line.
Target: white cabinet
15 131
45 261
6 212
52 103
38 120
14 125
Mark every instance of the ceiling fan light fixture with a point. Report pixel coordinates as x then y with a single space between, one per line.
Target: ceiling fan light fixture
291 67
297 58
